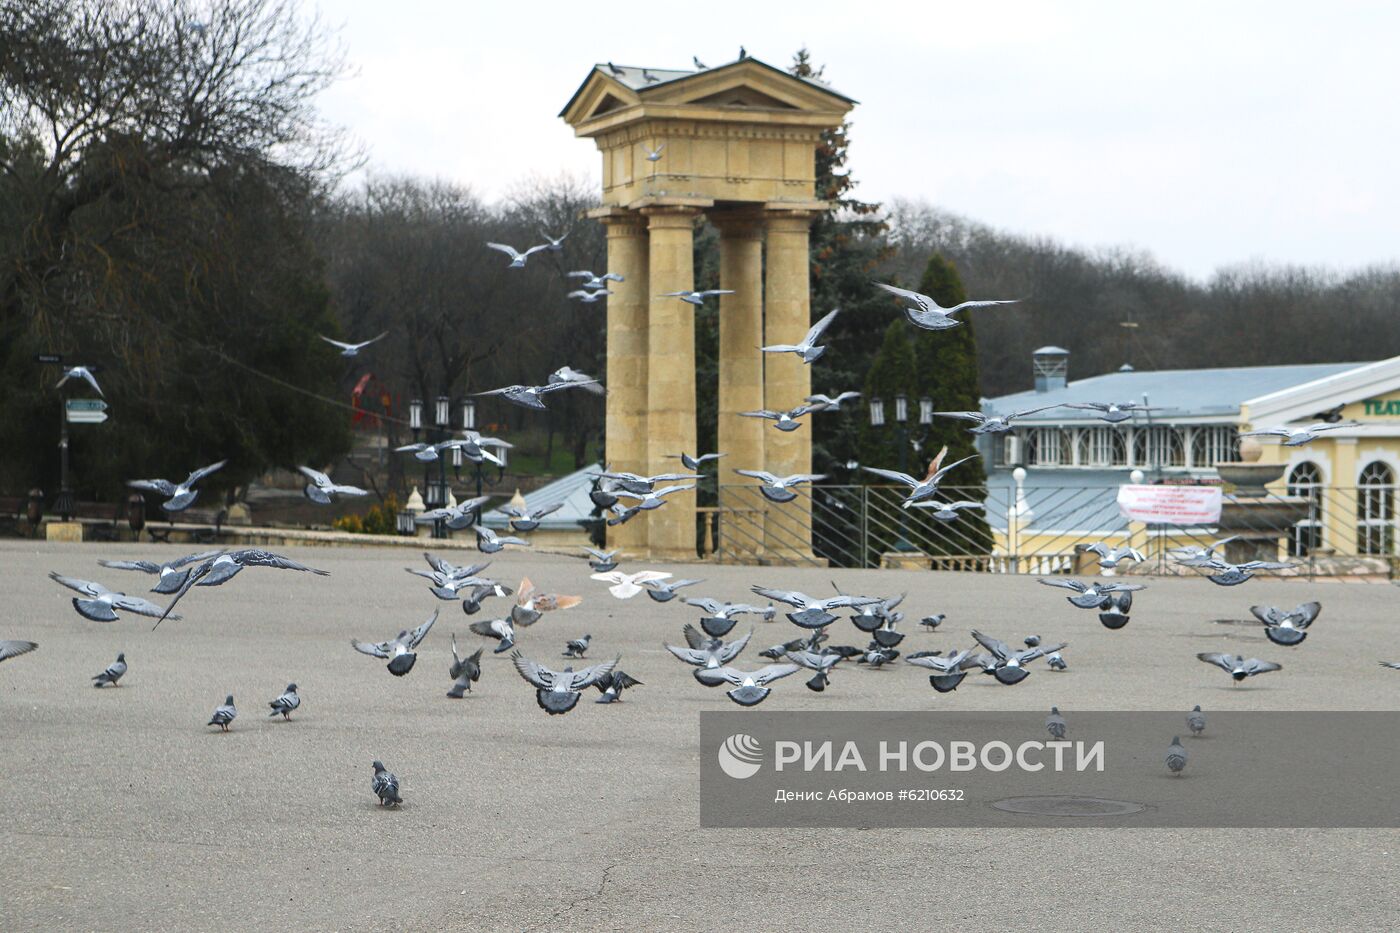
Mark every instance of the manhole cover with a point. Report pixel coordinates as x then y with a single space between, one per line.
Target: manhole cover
1068 806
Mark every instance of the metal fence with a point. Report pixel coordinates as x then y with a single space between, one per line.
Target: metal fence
1325 531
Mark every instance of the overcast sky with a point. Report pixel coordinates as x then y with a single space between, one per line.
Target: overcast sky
1206 133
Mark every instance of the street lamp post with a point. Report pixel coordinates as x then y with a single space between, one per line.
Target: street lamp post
442 420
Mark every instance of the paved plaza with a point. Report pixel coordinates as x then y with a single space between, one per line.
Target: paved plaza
124 811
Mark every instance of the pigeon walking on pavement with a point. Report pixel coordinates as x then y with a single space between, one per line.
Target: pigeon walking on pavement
385 786
224 714
114 672
1176 756
284 704
1055 723
576 648
1196 720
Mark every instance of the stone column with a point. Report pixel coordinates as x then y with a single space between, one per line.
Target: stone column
787 380
670 427
626 380
740 361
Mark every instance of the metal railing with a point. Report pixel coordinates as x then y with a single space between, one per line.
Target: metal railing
1330 531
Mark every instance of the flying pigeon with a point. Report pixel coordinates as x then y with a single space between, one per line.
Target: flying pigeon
321 490
707 652
352 349
627 585
284 704
1196 720
171 573
225 566
385 786
557 692
488 542
779 488
602 561
647 501
524 518
577 647
1055 723
223 714
663 591
694 297
567 375
721 615
1287 628
1009 666
517 259
1236 666
529 396
471 603
699 65
1298 436
503 630
531 604
13 649
1032 641
398 651
464 671
612 684
634 483
820 402
923 311
457 517
820 661
947 671
1224 573
1115 608
812 612
112 674
1112 412
555 244
992 424
80 372
1090 595
919 490
1176 756
693 463
1393 665
179 496
101 604
750 688
807 350
592 281
589 297
1110 558
949 511
654 155
810 643
782 420
1195 552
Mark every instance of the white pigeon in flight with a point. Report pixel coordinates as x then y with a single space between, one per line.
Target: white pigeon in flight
923 311
807 350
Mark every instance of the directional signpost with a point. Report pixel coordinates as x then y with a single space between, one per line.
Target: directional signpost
85 410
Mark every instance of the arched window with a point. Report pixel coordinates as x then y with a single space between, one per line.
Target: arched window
1375 509
1305 481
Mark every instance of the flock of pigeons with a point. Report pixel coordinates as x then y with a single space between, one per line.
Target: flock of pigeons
705 649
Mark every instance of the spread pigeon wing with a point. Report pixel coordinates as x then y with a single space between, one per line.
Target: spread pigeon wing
418 634
380 650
